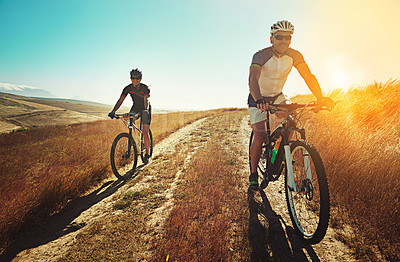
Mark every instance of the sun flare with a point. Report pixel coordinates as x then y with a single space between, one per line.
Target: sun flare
341 79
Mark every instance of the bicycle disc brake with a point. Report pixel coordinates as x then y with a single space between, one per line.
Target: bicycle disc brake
308 189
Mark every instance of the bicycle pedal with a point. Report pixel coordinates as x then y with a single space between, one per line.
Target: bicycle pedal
264 183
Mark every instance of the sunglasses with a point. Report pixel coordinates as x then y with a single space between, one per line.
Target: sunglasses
281 37
136 78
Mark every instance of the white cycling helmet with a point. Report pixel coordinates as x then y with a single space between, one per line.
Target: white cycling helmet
283 25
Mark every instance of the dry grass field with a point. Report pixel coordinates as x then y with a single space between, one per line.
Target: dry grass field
44 168
358 140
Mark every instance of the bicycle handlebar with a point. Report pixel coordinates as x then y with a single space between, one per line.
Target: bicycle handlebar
118 116
291 107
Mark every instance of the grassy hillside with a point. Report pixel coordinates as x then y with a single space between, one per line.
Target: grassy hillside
59 102
73 101
19 112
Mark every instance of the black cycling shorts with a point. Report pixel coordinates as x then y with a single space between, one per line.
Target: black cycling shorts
146 116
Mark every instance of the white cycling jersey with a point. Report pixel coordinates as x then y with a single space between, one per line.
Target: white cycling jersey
275 69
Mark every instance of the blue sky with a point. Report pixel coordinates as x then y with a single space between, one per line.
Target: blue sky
194 54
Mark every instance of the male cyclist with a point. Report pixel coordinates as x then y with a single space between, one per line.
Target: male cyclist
140 94
269 70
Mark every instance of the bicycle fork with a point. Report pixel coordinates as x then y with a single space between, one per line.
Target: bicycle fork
289 167
306 183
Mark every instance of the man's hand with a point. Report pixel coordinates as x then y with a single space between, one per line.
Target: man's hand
111 114
261 104
326 101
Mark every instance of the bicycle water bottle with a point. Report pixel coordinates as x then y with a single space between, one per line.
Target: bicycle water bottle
273 156
275 151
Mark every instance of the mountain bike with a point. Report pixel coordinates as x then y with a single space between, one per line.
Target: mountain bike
305 181
124 152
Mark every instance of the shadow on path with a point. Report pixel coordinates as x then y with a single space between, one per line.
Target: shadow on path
270 238
60 224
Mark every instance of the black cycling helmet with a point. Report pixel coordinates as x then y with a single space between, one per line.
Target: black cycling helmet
136 73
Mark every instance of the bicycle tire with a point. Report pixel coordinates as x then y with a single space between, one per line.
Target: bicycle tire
143 148
309 211
123 159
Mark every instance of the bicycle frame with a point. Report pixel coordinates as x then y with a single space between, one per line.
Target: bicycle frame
130 119
287 127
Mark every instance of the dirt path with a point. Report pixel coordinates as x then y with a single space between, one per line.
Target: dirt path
271 235
53 238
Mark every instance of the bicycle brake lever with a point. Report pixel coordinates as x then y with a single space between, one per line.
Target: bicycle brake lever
319 107
272 109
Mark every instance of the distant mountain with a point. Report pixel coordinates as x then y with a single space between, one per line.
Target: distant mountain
41 94
75 101
24 90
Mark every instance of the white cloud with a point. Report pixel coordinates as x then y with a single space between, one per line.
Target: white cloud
24 90
13 87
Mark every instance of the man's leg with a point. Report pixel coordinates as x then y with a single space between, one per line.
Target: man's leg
255 148
146 120
146 138
276 119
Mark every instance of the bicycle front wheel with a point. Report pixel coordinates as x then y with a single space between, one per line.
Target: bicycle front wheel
308 198
123 155
143 148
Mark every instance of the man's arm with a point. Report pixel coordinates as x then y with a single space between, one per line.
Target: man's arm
146 102
119 103
254 76
310 80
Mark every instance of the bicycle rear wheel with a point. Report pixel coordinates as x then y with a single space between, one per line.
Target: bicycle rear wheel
123 155
308 205
143 148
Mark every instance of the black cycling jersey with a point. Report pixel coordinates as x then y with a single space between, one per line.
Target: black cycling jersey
137 95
